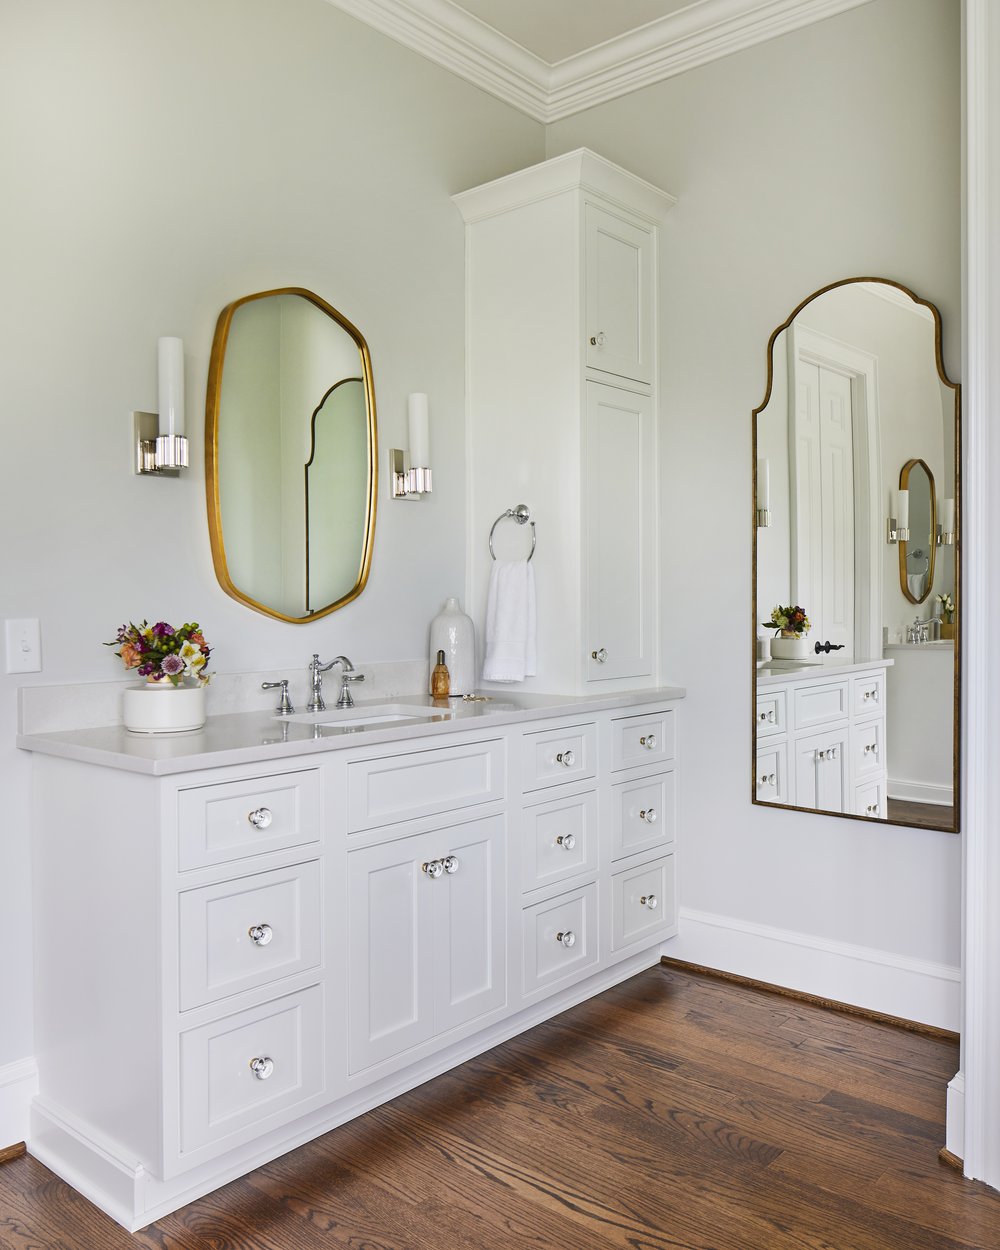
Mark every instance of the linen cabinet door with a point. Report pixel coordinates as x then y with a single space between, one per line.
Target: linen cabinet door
469 967
619 295
390 941
620 524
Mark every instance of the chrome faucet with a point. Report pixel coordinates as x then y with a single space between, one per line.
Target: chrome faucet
920 631
316 669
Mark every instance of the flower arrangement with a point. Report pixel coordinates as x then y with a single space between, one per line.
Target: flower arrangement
947 608
161 653
788 622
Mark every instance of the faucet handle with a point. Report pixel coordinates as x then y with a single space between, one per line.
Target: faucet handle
347 680
284 707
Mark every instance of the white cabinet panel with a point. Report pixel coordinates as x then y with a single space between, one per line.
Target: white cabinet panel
821 770
553 756
647 739
772 715
643 814
619 295
820 704
868 694
771 779
217 824
643 902
559 840
560 939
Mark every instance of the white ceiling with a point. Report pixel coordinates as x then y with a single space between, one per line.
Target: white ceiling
551 58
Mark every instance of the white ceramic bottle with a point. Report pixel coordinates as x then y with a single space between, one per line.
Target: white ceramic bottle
454 633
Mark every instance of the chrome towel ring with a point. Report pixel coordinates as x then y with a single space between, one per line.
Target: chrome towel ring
520 514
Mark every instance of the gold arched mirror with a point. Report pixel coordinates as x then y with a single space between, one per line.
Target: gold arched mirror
857 692
291 455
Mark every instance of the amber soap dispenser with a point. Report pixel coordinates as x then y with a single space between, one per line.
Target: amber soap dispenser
440 679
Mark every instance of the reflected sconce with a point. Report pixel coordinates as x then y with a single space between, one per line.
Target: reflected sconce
946 530
159 444
898 528
412 482
763 494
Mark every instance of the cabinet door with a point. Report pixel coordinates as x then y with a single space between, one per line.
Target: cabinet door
619 299
821 770
469 970
620 520
390 940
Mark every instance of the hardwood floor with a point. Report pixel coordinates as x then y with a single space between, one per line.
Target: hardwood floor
676 1112
926 815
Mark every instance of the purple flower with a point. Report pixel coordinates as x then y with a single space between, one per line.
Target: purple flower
144 670
172 665
162 630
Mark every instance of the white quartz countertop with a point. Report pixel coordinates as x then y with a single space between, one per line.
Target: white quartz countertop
252 737
779 672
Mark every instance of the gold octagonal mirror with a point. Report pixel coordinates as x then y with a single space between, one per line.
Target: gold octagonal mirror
291 455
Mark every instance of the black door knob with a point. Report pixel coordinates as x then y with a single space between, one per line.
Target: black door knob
828 647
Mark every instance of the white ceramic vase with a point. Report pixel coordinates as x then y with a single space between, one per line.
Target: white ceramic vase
162 708
454 633
790 648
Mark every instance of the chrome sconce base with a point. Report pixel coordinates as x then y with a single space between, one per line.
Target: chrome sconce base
153 452
407 483
896 533
945 538
763 518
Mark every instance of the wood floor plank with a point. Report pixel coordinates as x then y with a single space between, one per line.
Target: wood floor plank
675 1112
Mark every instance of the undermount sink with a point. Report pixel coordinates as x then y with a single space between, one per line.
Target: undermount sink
365 717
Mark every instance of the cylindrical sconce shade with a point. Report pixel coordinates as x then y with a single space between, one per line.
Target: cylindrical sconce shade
171 385
763 484
948 516
903 510
420 454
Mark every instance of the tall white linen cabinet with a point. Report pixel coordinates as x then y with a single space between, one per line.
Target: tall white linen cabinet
561 329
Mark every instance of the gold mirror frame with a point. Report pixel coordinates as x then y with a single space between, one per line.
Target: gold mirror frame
212 405
956 389
904 544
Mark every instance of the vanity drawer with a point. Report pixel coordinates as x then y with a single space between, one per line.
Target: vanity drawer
819 705
868 693
559 840
772 713
643 814
559 938
222 1096
868 748
398 787
646 739
237 935
771 773
553 756
870 800
642 902
235 819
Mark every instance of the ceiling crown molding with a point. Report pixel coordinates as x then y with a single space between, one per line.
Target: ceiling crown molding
703 31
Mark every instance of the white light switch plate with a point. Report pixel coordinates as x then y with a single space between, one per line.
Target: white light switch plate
24 647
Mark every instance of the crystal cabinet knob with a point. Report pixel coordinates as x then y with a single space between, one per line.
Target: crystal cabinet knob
650 901
262 1068
600 655
650 815
261 934
451 864
766 718
567 938
260 817
566 758
598 339
434 868
566 840
648 741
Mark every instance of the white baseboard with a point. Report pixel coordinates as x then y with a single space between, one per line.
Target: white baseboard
875 980
18 1085
920 792
954 1139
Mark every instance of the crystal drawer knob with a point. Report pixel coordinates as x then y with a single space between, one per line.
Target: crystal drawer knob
434 868
650 815
650 901
648 741
600 655
260 817
451 865
766 779
766 717
871 748
871 810
261 934
567 938
566 758
262 1068
566 840
598 339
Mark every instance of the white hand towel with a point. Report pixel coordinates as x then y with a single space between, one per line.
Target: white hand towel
510 622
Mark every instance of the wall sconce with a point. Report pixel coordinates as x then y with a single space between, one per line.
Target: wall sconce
763 494
946 530
898 527
411 483
156 450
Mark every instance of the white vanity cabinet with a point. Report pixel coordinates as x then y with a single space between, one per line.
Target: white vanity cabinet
820 738
562 278
233 959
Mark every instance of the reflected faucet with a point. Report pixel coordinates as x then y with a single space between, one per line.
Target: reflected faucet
920 631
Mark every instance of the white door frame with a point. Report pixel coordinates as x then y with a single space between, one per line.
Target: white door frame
815 348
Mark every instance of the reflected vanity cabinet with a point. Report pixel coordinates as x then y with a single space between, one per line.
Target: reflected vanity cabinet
561 316
231 960
820 739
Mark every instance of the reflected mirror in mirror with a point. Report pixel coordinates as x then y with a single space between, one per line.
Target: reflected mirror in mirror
856 493
291 455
